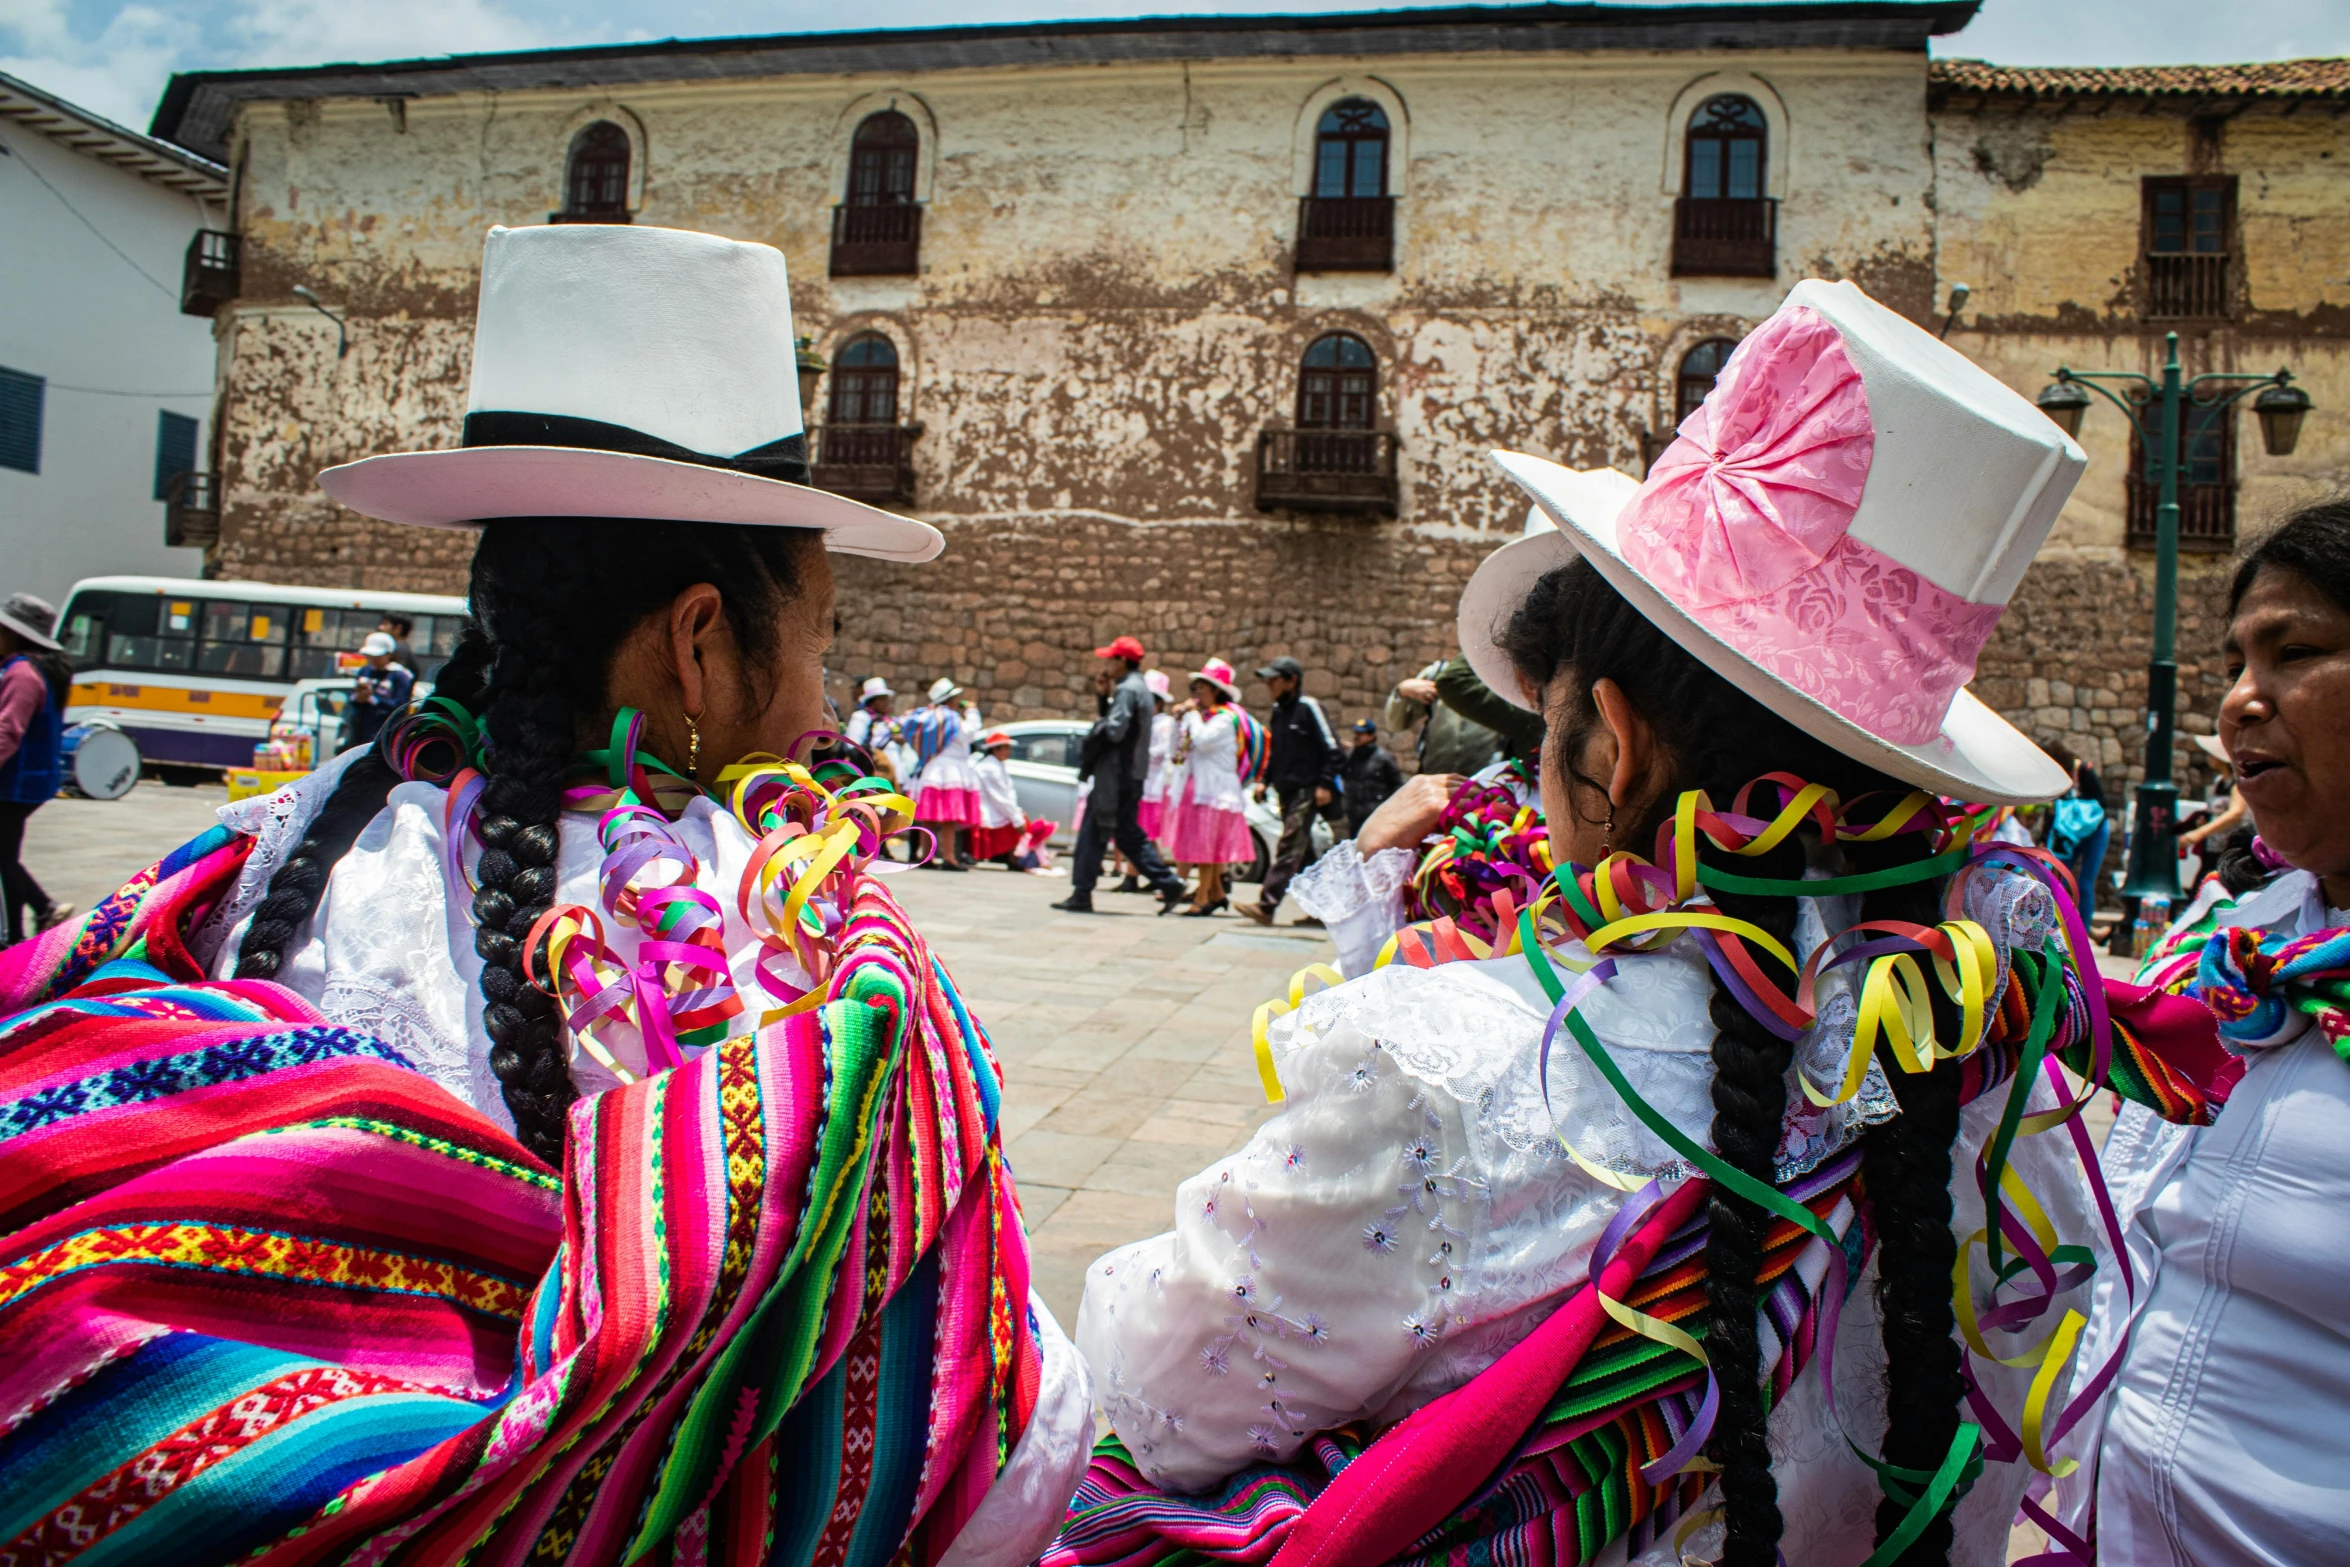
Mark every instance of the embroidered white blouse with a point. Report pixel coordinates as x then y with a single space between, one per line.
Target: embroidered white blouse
1207 770
1408 1215
2224 1440
1162 759
390 953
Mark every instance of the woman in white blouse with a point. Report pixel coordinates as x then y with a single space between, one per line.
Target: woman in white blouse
1206 824
2225 1438
1409 1215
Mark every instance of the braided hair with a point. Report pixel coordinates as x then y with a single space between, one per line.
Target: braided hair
553 599
1717 739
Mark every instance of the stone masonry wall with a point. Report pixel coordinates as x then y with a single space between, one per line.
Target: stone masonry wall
2068 662
1015 608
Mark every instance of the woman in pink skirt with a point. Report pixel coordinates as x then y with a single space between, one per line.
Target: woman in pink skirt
1207 827
1153 813
946 790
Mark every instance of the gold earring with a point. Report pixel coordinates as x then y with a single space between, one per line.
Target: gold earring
1607 834
693 749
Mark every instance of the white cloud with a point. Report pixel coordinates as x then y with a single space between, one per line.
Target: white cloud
117 72
319 32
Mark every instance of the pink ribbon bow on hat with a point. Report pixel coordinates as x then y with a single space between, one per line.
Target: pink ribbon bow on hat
1766 475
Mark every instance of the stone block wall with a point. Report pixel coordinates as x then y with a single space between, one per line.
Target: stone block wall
2068 662
1015 607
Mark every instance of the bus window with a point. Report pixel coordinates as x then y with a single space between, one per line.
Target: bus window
151 633
84 635
326 633
434 639
243 639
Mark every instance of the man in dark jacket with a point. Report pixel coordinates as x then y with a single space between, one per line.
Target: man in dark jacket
1117 756
1303 770
1370 774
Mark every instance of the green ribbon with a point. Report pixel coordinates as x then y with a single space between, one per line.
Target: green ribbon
1944 864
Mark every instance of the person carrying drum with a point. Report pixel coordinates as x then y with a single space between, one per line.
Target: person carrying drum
34 678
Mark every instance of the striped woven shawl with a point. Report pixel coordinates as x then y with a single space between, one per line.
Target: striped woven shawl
268 1294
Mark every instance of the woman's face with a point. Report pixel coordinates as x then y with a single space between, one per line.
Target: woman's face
794 688
2286 719
687 659
1204 694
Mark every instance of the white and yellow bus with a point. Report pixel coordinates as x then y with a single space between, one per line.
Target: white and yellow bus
193 671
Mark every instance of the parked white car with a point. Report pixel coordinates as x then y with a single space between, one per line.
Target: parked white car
1043 766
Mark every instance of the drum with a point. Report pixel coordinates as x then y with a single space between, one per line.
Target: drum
100 762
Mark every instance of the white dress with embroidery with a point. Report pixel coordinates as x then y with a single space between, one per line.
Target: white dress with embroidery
389 953
1407 1215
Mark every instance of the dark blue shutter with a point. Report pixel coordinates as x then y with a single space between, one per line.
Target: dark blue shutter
20 420
175 450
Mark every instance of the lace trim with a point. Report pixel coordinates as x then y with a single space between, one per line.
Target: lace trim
276 823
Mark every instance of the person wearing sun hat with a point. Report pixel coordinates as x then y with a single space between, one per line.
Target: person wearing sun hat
944 788
1464 1144
630 1163
1207 816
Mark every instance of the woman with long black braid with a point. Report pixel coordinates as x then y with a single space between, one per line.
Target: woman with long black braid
1780 975
560 1147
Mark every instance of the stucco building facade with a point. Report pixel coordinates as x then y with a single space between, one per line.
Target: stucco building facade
1200 329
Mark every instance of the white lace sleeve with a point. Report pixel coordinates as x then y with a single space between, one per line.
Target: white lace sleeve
1360 901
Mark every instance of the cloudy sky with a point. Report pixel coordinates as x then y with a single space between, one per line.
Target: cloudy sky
115 55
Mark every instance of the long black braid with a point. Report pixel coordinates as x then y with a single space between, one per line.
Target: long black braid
1717 739
553 598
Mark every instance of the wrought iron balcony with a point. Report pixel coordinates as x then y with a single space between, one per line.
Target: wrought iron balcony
2187 285
209 277
866 462
1725 237
1346 234
191 511
1327 470
2207 516
881 240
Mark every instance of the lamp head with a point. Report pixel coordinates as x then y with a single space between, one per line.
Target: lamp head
2281 409
302 291
1959 294
2064 402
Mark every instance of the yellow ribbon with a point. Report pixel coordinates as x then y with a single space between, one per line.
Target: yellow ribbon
1261 1024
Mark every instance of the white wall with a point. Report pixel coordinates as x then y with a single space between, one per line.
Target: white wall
80 315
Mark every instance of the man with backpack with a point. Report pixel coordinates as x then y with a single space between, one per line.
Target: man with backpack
1303 769
2078 829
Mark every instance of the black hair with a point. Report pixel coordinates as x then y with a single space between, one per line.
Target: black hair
553 598
1717 739
2314 544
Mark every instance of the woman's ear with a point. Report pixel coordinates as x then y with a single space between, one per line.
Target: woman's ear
1633 744
697 619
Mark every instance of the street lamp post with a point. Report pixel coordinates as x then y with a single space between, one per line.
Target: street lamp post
2153 868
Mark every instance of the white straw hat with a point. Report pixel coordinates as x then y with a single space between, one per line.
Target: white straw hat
942 688
1836 531
873 687
621 371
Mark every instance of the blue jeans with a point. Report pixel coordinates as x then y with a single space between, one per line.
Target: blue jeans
2088 858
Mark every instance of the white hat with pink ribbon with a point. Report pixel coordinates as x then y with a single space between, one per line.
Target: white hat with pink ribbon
1836 531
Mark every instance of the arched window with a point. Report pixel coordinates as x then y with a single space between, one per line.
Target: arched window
1350 150
881 161
1725 150
1338 385
865 382
595 185
1699 366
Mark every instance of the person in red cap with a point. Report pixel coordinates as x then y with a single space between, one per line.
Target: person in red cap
1117 759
